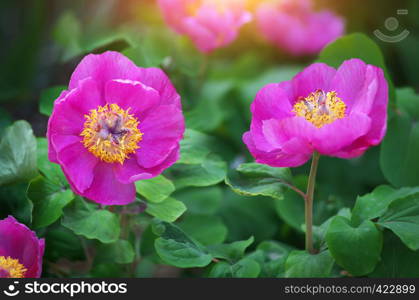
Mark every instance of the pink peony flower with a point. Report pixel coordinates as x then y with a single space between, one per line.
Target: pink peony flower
337 113
293 26
21 251
116 124
210 24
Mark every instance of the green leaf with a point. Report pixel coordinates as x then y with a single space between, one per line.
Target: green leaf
356 249
303 264
400 151
209 112
49 200
168 210
356 45
208 230
211 171
177 249
374 205
246 268
253 179
221 270
48 96
275 254
120 252
18 153
233 251
397 261
202 201
319 232
195 147
13 201
402 217
155 189
291 209
63 243
408 101
197 165
248 216
87 220
50 170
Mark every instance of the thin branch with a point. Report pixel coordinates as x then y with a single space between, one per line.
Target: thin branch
294 188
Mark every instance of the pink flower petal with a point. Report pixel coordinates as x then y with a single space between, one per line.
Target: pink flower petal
162 130
106 188
131 171
295 152
316 76
19 242
132 95
332 137
78 164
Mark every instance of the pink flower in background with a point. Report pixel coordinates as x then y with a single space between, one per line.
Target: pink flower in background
210 24
116 124
293 26
21 251
337 113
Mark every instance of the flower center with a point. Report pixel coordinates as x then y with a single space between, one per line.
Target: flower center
320 108
111 133
11 268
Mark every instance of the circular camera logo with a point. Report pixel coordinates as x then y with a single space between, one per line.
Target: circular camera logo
392 24
11 290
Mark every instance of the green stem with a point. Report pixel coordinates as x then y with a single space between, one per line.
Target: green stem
309 202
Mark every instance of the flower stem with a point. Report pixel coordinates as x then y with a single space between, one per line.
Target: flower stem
309 202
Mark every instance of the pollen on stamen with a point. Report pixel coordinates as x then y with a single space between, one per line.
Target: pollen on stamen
11 268
111 133
320 108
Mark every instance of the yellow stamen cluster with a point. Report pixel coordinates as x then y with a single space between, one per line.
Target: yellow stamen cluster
12 267
111 133
320 108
